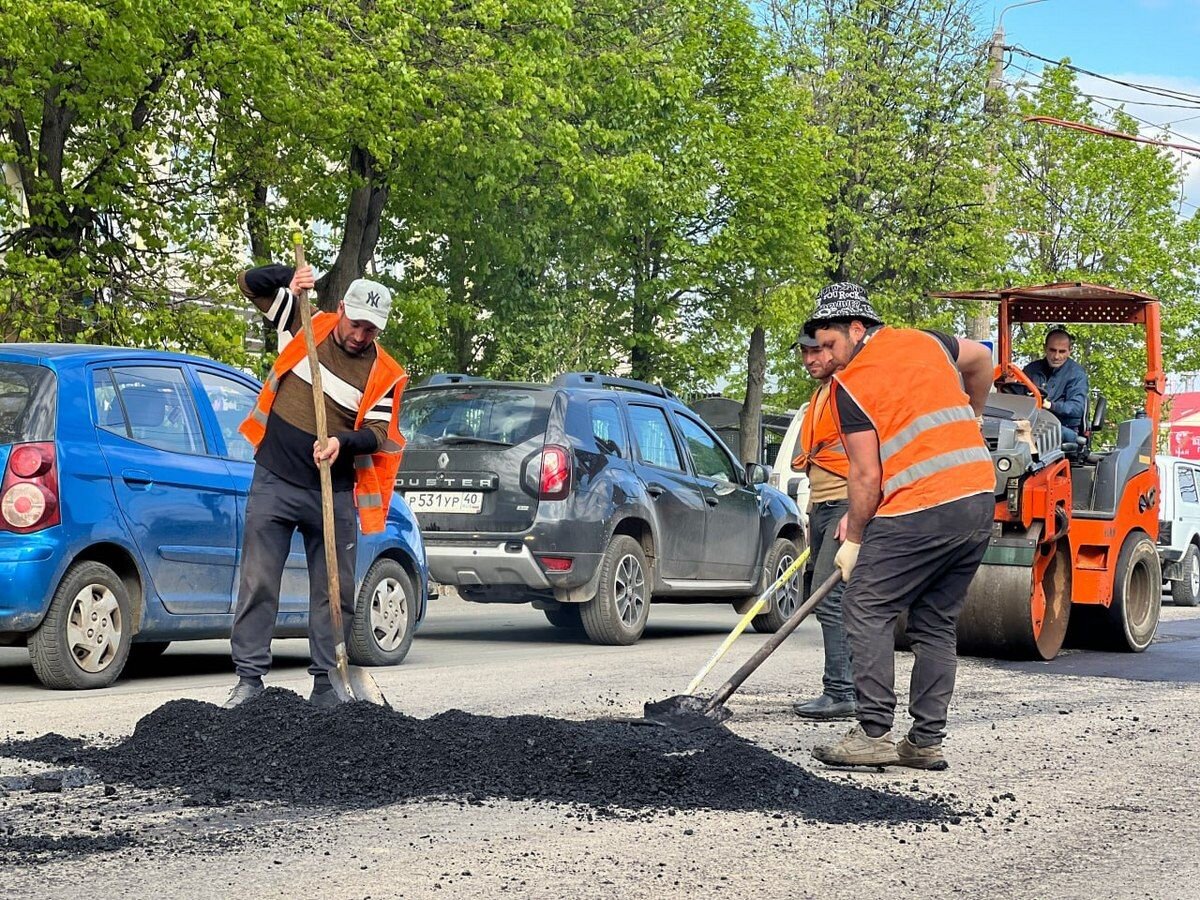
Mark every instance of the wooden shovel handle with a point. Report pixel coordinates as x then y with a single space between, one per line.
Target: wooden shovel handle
330 539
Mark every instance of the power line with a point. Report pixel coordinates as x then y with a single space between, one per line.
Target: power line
1161 126
1157 90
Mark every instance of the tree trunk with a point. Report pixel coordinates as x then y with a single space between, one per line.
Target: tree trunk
750 418
360 231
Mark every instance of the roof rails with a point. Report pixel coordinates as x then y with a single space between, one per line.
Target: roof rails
450 378
596 380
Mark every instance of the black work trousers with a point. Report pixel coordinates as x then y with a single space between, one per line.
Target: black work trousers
921 563
823 520
274 510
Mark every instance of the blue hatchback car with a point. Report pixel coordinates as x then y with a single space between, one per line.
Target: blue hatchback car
122 505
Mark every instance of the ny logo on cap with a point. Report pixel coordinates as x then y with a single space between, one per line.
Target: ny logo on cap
373 299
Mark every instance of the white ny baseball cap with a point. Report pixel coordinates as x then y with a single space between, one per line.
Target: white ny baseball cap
368 301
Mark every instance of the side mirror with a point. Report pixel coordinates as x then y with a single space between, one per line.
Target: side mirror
793 488
756 473
1100 409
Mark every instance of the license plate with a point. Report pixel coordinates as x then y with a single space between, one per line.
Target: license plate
444 501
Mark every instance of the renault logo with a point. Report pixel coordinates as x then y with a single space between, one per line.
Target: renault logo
443 461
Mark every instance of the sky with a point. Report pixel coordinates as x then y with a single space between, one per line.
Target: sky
1149 42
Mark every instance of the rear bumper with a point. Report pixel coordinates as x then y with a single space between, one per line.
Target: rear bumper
500 563
27 571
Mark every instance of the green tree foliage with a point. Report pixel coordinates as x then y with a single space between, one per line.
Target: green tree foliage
900 88
1083 207
94 99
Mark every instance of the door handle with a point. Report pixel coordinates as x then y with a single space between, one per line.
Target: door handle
711 501
655 490
137 479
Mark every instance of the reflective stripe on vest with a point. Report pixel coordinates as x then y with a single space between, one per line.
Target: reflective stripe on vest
930 447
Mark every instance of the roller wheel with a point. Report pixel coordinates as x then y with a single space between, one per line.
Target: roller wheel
1186 591
787 599
1137 596
1008 614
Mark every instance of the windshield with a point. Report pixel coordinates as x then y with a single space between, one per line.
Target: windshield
27 403
500 416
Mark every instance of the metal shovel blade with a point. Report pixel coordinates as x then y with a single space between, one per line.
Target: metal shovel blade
364 687
686 712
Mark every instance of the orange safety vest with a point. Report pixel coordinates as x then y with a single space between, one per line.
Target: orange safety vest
374 473
930 446
820 441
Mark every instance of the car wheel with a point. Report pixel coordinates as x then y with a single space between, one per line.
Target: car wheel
385 616
565 617
1186 592
618 612
789 597
84 641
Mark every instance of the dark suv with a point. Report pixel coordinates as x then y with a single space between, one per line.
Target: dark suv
588 497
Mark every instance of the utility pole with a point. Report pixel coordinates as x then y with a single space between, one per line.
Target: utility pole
979 321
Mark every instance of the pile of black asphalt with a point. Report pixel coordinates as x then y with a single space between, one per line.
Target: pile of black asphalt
278 748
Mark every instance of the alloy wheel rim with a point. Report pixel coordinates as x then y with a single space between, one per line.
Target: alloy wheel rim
788 597
1194 574
389 614
94 628
630 590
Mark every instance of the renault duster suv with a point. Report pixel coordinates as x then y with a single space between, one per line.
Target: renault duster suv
589 497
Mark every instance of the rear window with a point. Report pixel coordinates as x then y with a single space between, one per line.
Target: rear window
28 403
461 415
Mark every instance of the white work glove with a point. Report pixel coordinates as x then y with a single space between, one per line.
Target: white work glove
847 556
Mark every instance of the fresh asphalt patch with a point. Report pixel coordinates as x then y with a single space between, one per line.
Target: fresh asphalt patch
277 751
1173 657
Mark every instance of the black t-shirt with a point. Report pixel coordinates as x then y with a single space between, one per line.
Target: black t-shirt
850 414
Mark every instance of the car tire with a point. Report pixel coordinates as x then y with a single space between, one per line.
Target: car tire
1186 591
83 643
565 617
618 612
789 597
385 616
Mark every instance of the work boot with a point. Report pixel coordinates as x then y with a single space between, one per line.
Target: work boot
909 754
858 748
826 707
245 689
323 695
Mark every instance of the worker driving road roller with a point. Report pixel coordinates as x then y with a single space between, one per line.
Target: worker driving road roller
920 485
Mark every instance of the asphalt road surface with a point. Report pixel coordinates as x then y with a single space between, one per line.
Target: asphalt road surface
1070 779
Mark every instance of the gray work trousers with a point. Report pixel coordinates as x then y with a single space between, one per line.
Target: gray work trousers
823 519
921 563
274 510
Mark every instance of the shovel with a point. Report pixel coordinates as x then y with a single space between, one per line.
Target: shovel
349 682
688 712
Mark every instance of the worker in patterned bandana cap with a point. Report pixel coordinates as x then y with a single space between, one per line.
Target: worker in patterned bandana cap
920 488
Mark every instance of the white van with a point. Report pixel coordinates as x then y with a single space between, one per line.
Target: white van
792 482
1179 527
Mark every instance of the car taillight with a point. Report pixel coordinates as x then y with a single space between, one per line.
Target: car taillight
555 479
556 563
29 493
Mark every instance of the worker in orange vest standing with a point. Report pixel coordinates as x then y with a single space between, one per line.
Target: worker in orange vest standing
363 387
921 484
823 458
